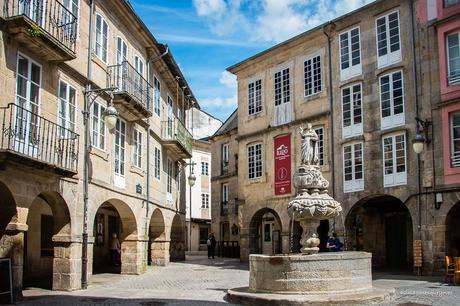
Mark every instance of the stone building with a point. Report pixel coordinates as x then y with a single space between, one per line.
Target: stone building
370 81
224 183
136 186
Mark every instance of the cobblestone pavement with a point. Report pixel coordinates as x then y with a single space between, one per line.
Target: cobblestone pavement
200 281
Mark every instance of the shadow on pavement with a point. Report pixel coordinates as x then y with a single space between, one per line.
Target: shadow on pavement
397 275
52 300
219 262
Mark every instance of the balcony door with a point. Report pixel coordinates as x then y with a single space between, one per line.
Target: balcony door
28 91
170 117
138 78
122 69
34 9
120 138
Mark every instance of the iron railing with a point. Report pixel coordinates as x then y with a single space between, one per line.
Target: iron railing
174 130
26 133
129 81
50 15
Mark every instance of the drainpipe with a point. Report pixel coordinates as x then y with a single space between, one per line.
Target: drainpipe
417 111
84 248
149 62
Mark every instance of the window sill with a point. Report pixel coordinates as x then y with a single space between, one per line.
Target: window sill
137 170
312 96
99 153
256 180
352 139
99 62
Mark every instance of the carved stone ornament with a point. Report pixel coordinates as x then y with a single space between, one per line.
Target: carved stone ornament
312 202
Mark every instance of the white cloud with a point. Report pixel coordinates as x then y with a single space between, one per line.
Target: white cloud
219 102
228 79
209 7
270 20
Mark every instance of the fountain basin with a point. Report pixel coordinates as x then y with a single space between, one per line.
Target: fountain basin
320 279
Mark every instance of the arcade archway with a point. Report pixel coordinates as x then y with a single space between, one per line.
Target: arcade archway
453 231
381 225
115 239
158 246
265 233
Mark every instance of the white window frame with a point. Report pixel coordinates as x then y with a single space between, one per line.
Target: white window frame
393 119
283 111
355 184
137 148
157 95
65 121
255 97
205 168
204 200
100 53
225 194
169 173
354 129
321 146
255 162
225 154
351 70
312 86
395 178
391 57
454 156
452 79
98 138
157 163
119 178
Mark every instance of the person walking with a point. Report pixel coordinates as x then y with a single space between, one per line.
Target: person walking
211 244
115 250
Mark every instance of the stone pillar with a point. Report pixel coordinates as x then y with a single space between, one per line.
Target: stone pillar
66 263
285 243
159 252
131 256
12 246
244 246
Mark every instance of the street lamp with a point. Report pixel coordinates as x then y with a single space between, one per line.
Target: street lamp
191 182
110 120
421 135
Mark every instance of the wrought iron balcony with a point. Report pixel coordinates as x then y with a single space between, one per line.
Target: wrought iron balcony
134 95
46 27
176 138
32 140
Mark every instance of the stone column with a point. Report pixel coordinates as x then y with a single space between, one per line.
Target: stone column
244 246
159 252
67 263
12 246
131 256
285 243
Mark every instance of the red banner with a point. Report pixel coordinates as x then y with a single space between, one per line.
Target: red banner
283 165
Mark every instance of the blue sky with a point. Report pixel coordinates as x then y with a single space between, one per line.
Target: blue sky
207 36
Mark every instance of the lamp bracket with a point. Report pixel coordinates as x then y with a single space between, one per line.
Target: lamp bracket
422 127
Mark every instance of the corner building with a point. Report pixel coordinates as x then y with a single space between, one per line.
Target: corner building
369 81
136 185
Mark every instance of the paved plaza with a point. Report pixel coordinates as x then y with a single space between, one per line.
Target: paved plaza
199 281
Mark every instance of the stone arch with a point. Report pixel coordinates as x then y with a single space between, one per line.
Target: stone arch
158 244
46 242
8 214
452 231
265 227
177 239
367 225
114 216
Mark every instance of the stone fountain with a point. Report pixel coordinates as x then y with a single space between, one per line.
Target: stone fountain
309 277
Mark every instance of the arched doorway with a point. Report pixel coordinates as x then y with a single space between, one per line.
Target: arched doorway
453 231
383 226
177 242
48 219
114 220
265 232
158 246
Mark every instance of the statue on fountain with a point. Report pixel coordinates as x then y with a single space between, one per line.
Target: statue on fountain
312 202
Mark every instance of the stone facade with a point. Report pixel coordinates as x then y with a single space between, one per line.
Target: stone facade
137 193
381 94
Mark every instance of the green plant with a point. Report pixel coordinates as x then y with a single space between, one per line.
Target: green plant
35 31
